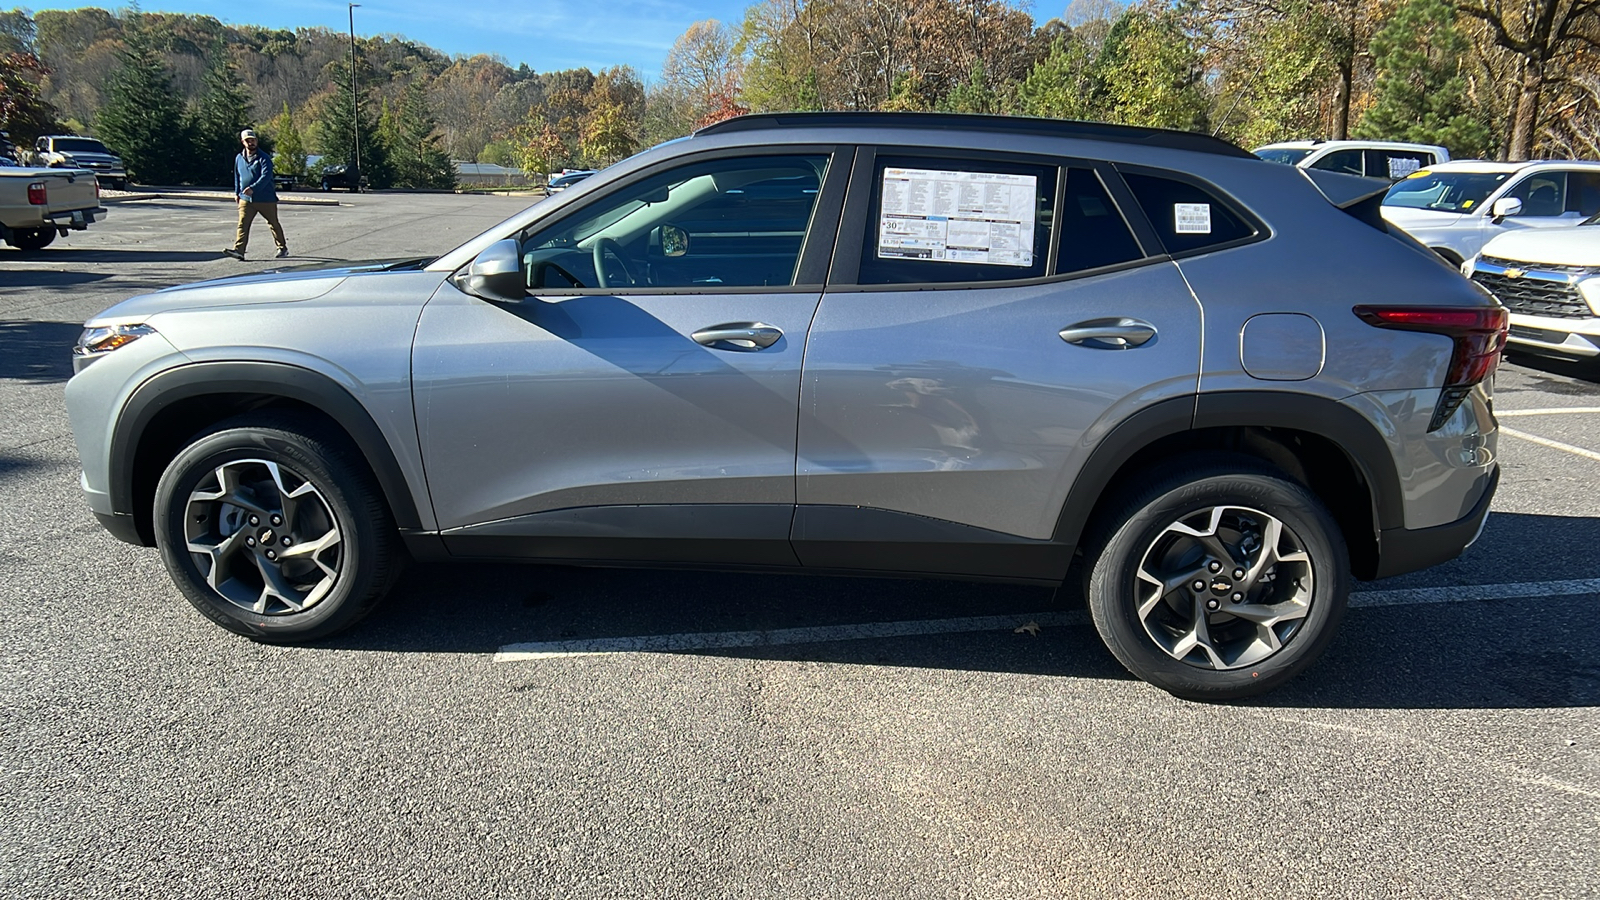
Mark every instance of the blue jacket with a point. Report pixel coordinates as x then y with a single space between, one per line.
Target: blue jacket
256 174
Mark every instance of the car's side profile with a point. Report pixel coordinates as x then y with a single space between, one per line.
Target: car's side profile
1457 207
886 344
1392 160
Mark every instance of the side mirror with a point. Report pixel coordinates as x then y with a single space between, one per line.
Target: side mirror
674 241
496 274
1506 206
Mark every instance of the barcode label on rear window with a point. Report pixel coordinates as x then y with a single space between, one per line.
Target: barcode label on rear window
1192 218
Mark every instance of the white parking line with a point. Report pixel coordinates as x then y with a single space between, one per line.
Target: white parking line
1554 445
723 640
1553 411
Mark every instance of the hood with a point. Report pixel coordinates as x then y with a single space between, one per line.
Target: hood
1407 218
286 285
91 156
1578 245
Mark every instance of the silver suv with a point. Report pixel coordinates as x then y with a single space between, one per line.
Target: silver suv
895 344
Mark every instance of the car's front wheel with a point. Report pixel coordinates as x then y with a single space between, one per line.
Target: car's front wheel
274 528
1222 580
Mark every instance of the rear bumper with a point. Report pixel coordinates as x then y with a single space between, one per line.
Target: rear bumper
1402 550
75 219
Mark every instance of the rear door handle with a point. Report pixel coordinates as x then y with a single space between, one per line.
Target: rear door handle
1109 334
739 336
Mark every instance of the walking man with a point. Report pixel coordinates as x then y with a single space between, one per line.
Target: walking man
252 182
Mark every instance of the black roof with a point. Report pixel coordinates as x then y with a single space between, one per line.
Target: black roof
1063 128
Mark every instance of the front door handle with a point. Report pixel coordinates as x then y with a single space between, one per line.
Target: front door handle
739 336
1109 334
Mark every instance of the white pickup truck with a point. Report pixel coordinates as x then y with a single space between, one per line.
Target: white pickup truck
38 204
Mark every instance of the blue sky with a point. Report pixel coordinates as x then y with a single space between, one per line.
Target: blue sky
545 34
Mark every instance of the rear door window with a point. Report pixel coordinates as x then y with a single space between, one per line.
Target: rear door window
1093 232
1188 217
1396 164
948 220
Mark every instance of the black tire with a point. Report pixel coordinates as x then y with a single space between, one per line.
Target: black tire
1235 657
342 581
31 238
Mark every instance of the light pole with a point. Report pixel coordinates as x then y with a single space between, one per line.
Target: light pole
355 99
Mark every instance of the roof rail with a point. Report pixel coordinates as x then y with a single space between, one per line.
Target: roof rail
1064 128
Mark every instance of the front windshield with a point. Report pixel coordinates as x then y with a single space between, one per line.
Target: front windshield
80 145
1444 191
1284 155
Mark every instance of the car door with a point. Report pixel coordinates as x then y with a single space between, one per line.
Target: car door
640 402
989 317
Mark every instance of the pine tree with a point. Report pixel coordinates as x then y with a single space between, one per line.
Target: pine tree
143 117
289 157
335 137
414 151
1421 95
222 112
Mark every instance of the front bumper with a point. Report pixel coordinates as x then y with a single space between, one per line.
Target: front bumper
1571 338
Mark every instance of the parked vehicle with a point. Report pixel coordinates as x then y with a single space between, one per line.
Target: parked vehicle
38 204
72 151
568 179
344 177
1392 160
1456 207
894 344
1549 279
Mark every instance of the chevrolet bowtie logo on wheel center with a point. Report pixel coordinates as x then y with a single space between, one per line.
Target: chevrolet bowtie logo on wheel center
1220 586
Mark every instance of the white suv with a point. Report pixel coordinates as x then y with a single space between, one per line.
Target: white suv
1373 159
1550 281
1457 207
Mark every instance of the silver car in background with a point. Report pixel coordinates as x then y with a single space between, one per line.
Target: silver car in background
887 344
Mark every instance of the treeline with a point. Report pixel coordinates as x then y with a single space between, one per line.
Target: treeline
1486 78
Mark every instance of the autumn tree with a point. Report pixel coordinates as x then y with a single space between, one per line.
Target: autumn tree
23 111
289 145
704 66
1545 36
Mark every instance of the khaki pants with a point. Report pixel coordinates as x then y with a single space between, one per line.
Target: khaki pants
247 213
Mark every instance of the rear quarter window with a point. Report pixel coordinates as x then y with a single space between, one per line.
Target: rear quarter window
1188 217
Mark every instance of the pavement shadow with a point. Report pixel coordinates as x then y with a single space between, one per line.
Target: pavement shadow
72 255
1586 374
1493 654
37 351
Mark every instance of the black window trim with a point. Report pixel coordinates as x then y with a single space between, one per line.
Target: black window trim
811 272
845 274
1233 204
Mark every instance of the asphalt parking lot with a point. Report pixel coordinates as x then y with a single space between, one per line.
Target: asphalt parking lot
505 731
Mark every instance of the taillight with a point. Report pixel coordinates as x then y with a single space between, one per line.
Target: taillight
36 194
1479 333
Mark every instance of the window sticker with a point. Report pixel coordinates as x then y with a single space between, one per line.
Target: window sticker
1192 218
970 217
1400 167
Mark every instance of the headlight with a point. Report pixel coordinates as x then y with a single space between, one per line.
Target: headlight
106 338
1589 288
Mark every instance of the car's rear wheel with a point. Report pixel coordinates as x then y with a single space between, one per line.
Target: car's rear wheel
273 527
1222 581
31 238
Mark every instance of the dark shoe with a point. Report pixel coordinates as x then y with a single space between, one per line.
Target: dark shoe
282 252
233 253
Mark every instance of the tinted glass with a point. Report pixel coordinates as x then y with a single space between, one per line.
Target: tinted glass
1185 216
1093 233
80 145
1346 161
937 220
721 223
1444 191
1542 194
1583 192
1396 164
1282 155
